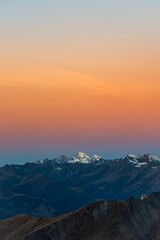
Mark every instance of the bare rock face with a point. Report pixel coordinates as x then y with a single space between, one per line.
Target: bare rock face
104 220
86 222
108 220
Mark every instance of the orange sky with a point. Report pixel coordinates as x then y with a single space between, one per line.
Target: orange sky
39 99
68 82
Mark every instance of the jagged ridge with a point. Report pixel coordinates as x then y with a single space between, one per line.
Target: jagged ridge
106 220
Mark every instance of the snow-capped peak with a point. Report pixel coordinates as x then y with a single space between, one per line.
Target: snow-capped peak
96 157
81 157
41 161
140 160
153 158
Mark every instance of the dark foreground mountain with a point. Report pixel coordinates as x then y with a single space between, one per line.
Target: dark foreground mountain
50 188
106 220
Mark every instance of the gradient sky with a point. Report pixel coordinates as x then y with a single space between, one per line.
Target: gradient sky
79 75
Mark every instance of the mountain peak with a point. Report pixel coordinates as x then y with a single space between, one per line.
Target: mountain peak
151 157
81 157
41 161
140 160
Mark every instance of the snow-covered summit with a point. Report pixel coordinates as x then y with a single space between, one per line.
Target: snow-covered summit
140 160
41 161
96 157
81 157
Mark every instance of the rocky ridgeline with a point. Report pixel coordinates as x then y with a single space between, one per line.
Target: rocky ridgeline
105 220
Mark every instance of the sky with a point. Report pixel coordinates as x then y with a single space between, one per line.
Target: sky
79 75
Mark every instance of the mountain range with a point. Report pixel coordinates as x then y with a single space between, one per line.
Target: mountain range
105 220
53 187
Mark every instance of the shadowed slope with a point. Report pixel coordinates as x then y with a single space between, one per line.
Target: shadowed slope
105 220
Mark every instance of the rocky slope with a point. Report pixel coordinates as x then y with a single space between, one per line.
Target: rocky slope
49 188
106 220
